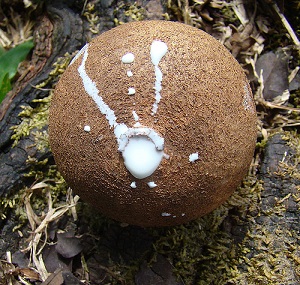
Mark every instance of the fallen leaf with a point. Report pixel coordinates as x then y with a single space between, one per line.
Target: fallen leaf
53 260
295 82
274 69
68 246
160 273
9 273
29 273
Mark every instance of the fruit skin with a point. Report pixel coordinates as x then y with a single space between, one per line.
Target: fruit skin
206 107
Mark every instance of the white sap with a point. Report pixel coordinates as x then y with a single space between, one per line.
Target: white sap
152 184
166 214
91 88
128 58
141 147
193 157
79 54
135 116
87 129
157 51
131 91
141 157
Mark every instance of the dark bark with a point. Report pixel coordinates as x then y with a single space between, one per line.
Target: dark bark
58 31
277 186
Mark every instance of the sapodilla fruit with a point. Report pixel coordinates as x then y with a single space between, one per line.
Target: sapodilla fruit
153 123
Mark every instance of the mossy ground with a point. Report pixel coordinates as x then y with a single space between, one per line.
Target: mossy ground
204 251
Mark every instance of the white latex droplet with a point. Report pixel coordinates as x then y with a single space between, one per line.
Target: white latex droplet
131 91
193 157
152 184
128 58
133 184
129 73
87 129
79 54
157 51
141 157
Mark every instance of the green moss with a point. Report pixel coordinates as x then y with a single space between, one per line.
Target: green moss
135 12
291 169
276 260
125 12
295 98
39 171
59 68
34 122
271 247
33 119
203 252
230 16
92 17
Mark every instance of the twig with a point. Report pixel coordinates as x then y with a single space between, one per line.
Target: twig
84 6
276 106
39 226
287 25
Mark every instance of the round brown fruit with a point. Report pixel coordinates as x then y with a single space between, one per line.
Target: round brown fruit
153 123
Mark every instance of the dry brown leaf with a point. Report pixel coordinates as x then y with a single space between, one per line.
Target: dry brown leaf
9 272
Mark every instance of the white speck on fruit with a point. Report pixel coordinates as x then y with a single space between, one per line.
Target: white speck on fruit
166 214
131 91
129 73
87 129
152 184
166 156
128 58
193 157
133 184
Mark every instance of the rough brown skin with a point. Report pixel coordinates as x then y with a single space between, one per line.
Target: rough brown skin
202 110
